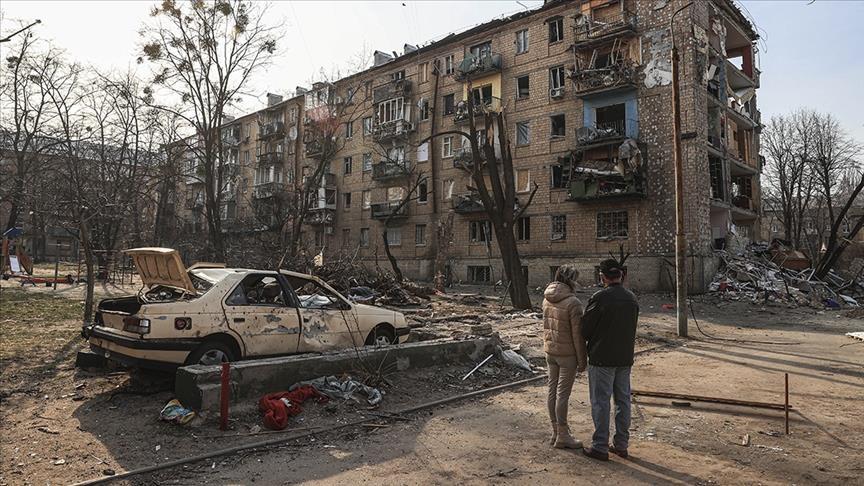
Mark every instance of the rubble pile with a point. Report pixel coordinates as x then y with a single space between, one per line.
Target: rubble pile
755 276
372 286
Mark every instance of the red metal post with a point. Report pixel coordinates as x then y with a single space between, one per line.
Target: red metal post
225 395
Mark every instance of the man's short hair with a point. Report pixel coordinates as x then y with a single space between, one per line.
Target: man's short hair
610 268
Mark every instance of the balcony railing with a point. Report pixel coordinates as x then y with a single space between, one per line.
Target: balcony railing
391 129
267 189
467 203
587 185
231 137
271 158
618 75
594 28
607 132
491 105
390 170
328 180
400 88
389 209
474 66
272 129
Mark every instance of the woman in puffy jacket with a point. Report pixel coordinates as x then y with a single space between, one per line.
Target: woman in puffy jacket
566 354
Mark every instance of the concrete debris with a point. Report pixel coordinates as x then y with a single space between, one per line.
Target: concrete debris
755 275
370 286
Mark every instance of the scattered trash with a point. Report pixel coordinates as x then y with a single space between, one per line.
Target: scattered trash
108 472
477 367
333 388
59 462
668 306
174 411
770 433
48 431
515 359
277 407
745 441
158 447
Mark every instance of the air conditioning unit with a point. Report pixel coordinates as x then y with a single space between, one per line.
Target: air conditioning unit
556 92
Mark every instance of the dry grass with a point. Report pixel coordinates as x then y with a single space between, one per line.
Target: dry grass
36 326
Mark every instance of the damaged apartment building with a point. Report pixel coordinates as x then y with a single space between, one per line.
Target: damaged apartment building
586 90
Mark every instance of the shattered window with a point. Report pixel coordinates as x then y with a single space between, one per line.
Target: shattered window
560 177
522 41
367 199
558 126
313 296
556 80
347 164
449 184
367 125
479 231
559 227
479 274
523 228
364 237
523 180
423 191
424 110
612 225
523 87
367 162
448 64
449 104
258 289
556 30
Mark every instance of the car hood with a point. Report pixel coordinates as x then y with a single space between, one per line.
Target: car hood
161 266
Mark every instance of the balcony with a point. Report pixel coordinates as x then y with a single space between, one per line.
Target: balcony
391 130
271 158
231 137
590 185
604 133
616 76
266 189
388 210
463 158
314 147
272 129
400 88
467 203
387 169
491 105
474 66
593 30
328 180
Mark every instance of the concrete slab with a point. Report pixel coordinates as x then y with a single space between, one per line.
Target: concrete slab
198 386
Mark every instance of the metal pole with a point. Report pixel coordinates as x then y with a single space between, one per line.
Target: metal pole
680 242
786 405
56 262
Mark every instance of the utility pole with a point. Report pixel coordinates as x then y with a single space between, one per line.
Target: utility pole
13 34
680 242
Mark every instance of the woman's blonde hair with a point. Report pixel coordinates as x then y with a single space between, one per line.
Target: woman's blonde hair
567 274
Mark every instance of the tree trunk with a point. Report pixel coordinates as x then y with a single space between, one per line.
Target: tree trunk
87 246
518 292
393 263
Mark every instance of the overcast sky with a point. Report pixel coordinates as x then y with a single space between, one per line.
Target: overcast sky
809 53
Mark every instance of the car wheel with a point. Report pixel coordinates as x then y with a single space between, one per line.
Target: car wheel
382 335
211 353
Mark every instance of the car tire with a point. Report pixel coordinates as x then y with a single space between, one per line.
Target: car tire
211 353
382 335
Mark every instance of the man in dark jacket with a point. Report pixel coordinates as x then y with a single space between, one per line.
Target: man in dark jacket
609 326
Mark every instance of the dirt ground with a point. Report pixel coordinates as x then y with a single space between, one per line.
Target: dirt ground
62 425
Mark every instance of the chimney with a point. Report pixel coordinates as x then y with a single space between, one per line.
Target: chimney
381 58
300 90
409 48
273 99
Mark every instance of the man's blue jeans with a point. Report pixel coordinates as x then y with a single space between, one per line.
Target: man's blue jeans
603 383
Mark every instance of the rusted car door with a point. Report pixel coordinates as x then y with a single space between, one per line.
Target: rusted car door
264 313
328 321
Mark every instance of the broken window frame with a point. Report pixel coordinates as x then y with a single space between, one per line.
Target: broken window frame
562 129
522 41
556 29
364 237
367 126
480 231
520 95
423 192
424 110
449 64
523 228
523 133
557 80
479 274
563 177
347 165
558 227
449 104
613 225
390 111
366 199
367 162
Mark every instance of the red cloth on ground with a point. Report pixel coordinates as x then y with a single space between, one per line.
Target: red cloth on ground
275 411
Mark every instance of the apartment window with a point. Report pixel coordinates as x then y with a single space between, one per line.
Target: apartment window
366 197
483 94
612 225
523 180
523 87
347 164
424 110
420 235
523 133
247 157
558 126
559 227
394 236
448 184
556 30
522 41
449 104
556 82
423 72
292 115
349 95
367 125
291 148
247 130
391 110
364 237
349 130
319 239
479 231
423 152
611 117
447 146
479 274
346 200
367 162
523 228
560 176
346 237
398 75
423 191
449 66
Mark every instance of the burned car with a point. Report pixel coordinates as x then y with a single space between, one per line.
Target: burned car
208 314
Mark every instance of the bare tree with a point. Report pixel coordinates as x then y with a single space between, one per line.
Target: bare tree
203 55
